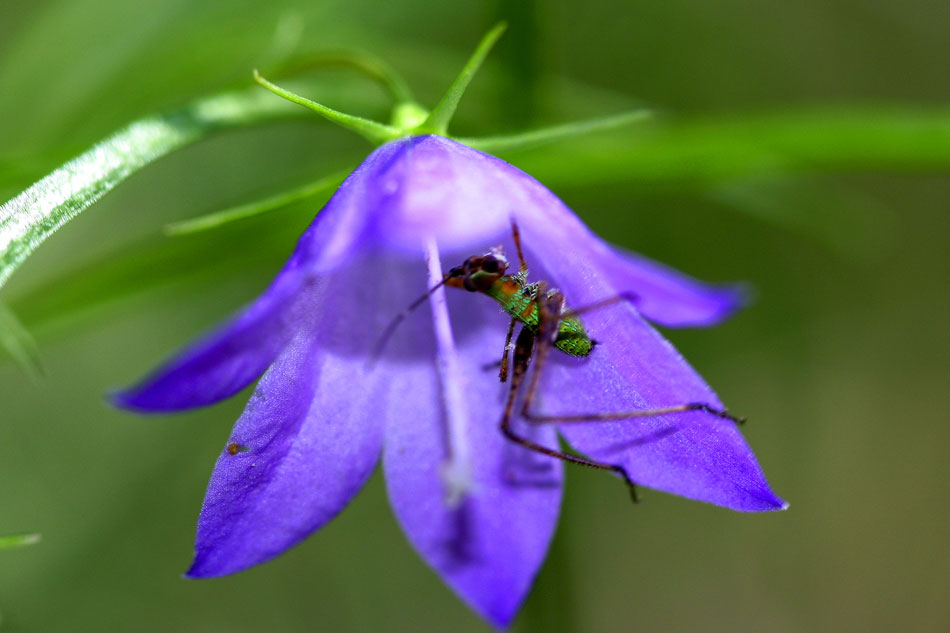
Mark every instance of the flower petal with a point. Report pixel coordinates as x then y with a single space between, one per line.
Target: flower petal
490 545
230 358
694 454
313 429
667 296
304 446
312 432
433 186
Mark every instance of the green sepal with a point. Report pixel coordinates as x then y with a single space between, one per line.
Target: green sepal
438 120
543 136
373 131
256 207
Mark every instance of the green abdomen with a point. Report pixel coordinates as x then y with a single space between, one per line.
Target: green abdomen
571 339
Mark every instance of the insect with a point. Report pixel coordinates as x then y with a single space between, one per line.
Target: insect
546 323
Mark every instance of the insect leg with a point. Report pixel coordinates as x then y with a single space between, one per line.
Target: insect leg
516 236
503 369
522 355
550 315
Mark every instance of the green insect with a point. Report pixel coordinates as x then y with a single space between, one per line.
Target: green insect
547 323
518 297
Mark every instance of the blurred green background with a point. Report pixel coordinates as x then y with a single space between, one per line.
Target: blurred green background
841 364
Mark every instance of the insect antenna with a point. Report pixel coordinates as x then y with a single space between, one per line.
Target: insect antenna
399 318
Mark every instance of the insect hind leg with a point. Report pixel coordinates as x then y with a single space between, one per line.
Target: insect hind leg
524 348
573 459
549 313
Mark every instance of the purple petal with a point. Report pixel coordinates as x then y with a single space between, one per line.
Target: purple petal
313 428
433 186
489 547
693 454
312 432
305 446
667 296
229 359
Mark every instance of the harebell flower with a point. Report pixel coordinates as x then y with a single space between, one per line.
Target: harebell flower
339 387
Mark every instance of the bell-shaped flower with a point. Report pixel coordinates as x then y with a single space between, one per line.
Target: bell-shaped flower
478 508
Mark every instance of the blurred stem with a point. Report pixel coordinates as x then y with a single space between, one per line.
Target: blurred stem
18 342
705 152
369 65
518 97
18 540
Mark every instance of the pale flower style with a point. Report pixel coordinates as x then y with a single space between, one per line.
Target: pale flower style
322 415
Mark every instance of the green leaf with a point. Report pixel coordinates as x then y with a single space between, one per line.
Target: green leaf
441 115
9 541
537 138
31 217
18 343
257 207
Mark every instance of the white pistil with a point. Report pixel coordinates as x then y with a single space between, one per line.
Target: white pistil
456 472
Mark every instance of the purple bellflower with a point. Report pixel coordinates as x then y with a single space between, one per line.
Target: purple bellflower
479 509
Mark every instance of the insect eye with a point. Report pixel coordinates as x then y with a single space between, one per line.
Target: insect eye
490 265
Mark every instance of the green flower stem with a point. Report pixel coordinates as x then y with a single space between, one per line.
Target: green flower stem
31 217
374 132
535 138
441 115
